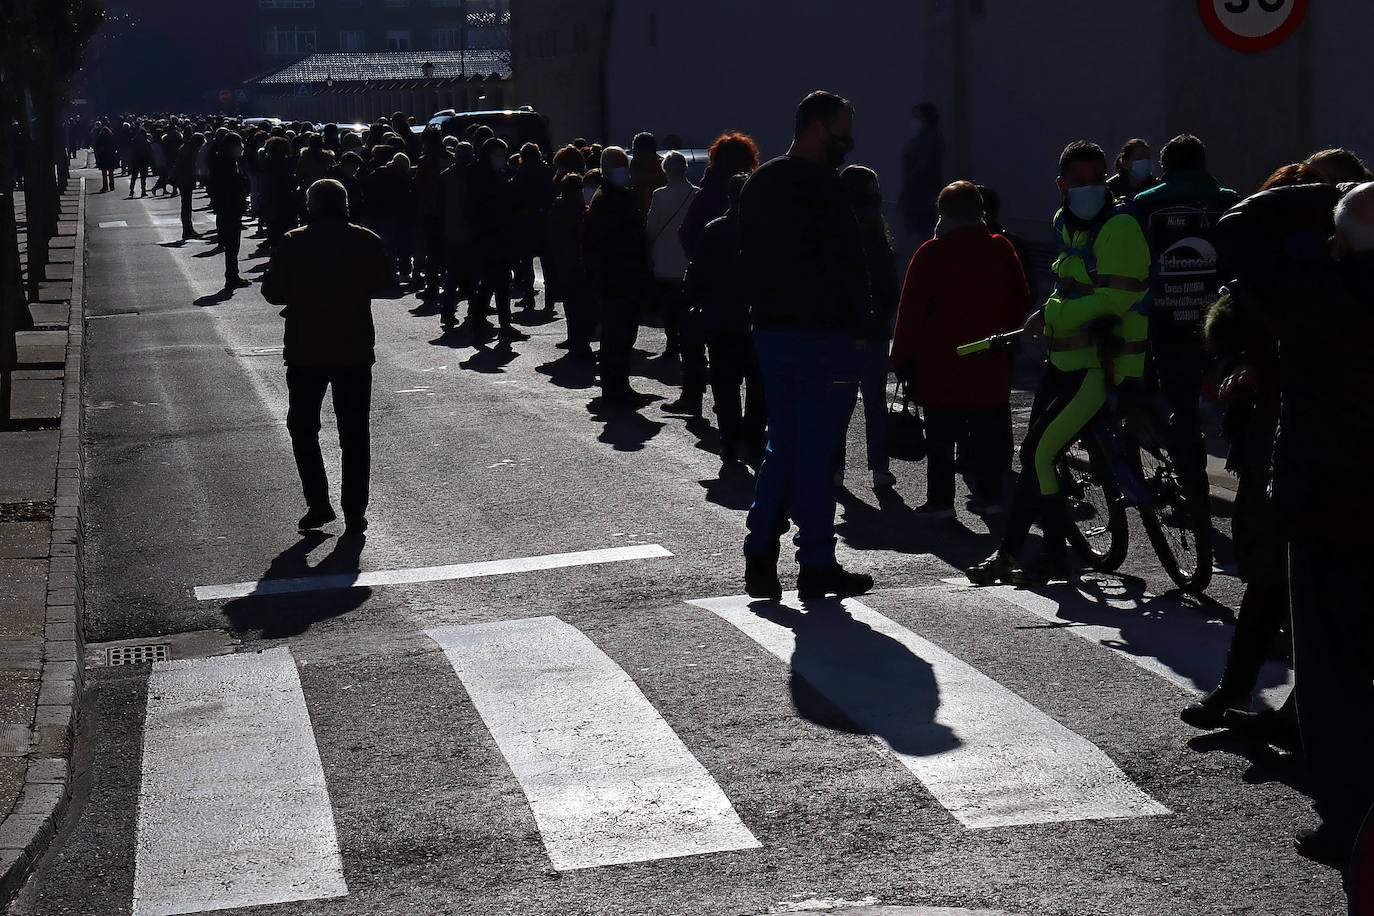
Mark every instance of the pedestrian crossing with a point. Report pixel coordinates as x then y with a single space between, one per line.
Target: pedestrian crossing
235 809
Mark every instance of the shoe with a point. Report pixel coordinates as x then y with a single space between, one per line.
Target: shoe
584 353
1042 572
995 569
686 405
1329 844
1208 712
883 480
316 517
237 283
761 578
981 508
820 581
931 511
187 236
565 345
355 524
510 333
729 452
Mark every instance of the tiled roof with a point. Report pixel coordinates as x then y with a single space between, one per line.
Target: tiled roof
388 65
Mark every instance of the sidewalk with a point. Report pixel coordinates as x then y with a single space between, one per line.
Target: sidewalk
40 567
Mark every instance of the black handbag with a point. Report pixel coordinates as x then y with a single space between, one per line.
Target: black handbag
906 432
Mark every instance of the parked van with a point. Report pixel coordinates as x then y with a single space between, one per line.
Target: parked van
517 128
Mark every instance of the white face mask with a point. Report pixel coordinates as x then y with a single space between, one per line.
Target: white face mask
1086 202
1140 169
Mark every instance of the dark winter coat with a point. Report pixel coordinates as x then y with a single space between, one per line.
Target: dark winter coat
615 247
491 211
713 278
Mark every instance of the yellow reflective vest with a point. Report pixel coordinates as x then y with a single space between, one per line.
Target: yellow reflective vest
1103 271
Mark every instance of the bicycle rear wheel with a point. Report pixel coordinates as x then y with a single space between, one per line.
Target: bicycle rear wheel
1097 516
1177 518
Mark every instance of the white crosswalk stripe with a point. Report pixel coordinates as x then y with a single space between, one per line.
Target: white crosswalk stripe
991 758
608 780
233 809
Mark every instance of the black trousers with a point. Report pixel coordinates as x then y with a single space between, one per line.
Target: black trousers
734 366
619 328
495 283
352 390
229 231
1333 662
1177 362
983 436
188 226
684 329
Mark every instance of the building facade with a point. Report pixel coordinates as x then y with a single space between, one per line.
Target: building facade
289 29
558 55
1014 81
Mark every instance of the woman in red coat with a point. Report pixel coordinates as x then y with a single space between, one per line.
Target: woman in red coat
963 285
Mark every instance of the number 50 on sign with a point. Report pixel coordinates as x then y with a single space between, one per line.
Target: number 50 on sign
1252 25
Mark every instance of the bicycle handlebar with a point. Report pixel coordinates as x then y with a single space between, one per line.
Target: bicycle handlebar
995 342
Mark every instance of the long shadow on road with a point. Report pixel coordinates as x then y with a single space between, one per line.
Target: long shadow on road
276 616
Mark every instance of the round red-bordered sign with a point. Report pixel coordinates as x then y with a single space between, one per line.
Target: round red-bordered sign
1252 25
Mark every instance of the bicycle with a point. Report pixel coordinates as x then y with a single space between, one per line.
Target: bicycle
1127 457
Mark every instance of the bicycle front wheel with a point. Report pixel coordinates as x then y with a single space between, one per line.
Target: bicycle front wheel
1177 517
1097 516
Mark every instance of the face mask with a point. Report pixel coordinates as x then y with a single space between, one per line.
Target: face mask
620 176
498 163
838 147
1086 202
1140 169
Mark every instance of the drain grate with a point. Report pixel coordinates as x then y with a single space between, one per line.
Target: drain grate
138 655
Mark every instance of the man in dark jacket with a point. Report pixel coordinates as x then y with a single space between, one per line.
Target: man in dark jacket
803 271
491 210
325 275
619 269
228 188
1321 306
184 180
1178 216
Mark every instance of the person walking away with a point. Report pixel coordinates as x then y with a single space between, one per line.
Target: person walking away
1178 216
1101 277
460 275
106 159
963 285
866 196
492 211
646 170
435 159
325 275
922 171
1131 174
616 256
803 266
141 160
228 190
184 180
714 288
565 279
666 212
278 189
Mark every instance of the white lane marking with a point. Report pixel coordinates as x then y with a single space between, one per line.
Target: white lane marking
1179 645
431 573
608 780
115 224
988 756
233 810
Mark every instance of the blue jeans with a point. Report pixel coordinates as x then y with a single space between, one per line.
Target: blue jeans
810 383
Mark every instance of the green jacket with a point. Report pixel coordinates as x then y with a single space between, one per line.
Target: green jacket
1102 272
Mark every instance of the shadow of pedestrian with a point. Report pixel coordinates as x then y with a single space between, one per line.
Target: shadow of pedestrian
733 486
534 318
569 371
218 298
490 360
848 677
894 525
624 428
276 615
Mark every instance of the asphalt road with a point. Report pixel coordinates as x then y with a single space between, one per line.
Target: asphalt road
411 766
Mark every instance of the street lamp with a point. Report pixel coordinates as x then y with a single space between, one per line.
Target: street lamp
328 81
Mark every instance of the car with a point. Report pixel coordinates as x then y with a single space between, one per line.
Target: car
262 123
517 128
697 160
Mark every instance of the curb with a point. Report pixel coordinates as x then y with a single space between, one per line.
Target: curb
26 832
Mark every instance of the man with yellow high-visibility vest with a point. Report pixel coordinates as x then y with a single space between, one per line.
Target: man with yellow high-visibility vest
1096 334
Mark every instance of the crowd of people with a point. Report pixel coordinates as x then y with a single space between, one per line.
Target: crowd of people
778 288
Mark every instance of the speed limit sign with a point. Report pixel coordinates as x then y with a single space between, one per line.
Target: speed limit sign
1252 25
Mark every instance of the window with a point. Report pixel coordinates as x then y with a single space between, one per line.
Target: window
351 40
446 38
286 40
286 4
398 39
